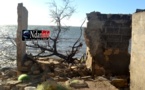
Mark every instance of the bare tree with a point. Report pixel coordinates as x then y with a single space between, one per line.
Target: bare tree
8 47
58 14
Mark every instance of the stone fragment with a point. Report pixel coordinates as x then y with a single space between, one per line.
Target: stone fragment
119 83
28 63
36 72
51 74
75 83
30 88
58 70
99 71
25 69
11 73
47 85
46 67
73 67
34 67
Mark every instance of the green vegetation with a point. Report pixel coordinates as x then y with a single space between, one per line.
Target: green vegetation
23 77
51 86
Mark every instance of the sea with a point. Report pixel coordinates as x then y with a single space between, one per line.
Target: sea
65 42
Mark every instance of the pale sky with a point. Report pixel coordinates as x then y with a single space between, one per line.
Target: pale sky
39 11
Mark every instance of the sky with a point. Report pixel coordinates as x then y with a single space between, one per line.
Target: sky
38 10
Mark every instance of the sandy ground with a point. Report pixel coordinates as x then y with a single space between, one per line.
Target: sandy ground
102 84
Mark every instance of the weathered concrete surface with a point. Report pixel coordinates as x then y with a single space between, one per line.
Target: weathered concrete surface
140 10
22 24
137 64
107 39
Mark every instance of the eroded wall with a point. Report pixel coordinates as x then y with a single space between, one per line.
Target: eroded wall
107 39
137 72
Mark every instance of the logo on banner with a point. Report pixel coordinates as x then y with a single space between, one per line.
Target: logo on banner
35 35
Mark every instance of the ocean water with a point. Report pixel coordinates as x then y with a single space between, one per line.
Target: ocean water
66 40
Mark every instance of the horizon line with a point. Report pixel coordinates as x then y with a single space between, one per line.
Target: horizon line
37 25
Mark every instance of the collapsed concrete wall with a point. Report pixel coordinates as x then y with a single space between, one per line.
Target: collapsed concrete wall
22 24
137 52
107 39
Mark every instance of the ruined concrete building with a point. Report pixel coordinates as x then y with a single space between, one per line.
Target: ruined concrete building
107 38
